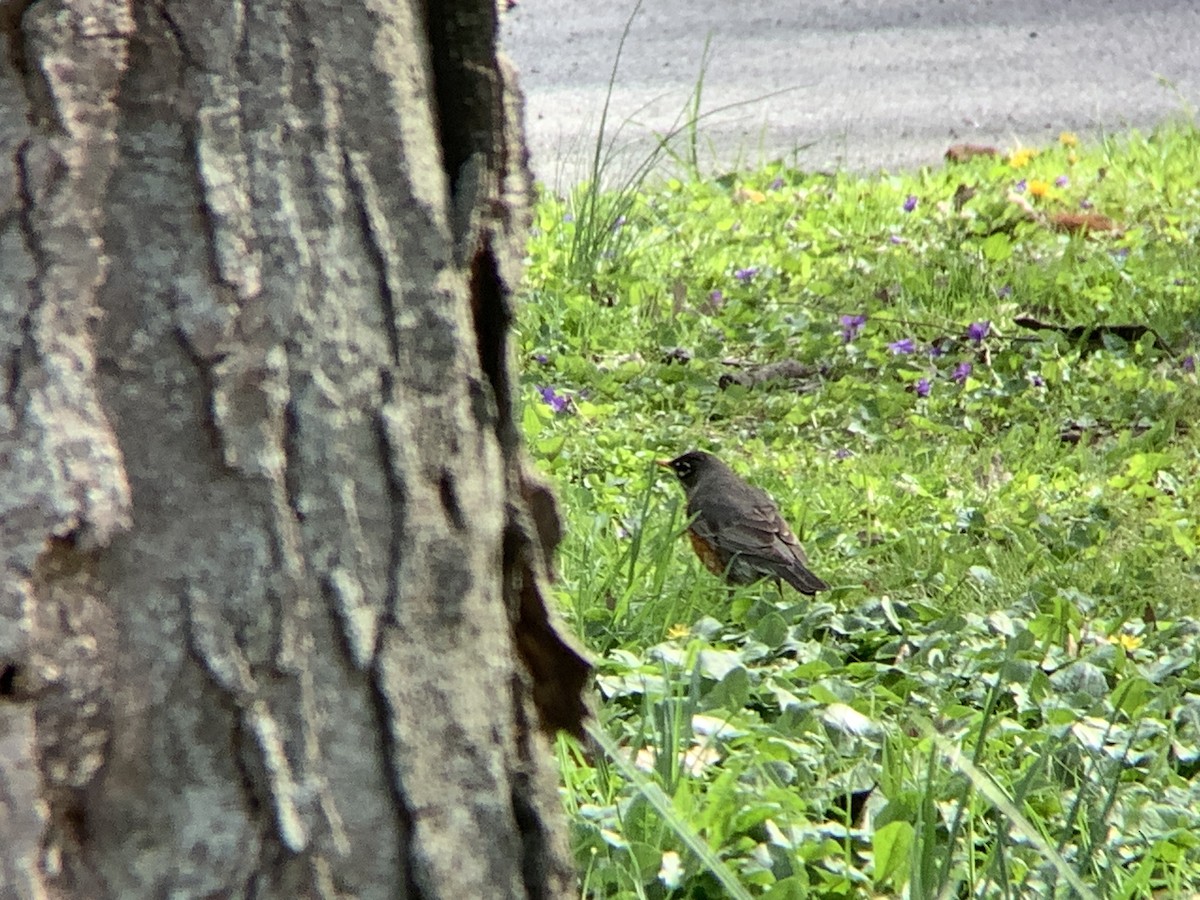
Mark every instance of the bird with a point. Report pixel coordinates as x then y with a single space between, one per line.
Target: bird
736 529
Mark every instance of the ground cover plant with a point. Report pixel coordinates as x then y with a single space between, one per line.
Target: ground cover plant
972 390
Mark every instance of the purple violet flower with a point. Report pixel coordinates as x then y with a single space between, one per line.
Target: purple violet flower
851 326
921 388
746 275
1036 380
910 203
961 371
556 402
842 453
977 331
568 217
1062 181
1019 187
716 298
902 347
777 183
541 359
1189 363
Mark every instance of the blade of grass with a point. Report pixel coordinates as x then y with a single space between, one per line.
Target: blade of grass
662 805
994 795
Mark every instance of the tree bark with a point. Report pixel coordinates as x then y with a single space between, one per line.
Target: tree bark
271 604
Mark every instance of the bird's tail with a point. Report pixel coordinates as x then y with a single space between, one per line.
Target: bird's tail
802 580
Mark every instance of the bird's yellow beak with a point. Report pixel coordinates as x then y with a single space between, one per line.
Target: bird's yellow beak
665 463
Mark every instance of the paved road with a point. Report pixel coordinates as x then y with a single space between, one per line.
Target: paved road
869 83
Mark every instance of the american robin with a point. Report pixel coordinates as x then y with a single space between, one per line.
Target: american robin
736 528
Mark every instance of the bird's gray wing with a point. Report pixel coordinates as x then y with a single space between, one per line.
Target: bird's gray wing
762 537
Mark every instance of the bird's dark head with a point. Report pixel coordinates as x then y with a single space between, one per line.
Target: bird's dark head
688 467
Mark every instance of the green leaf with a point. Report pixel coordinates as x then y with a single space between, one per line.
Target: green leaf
771 630
997 248
731 693
791 888
893 845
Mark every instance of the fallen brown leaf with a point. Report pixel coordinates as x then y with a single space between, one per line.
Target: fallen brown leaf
1073 223
964 152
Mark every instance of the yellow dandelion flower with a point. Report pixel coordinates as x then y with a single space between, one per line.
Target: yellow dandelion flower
1126 641
1068 139
748 195
1038 188
675 632
1020 157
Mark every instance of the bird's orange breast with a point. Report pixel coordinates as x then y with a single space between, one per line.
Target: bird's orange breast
709 555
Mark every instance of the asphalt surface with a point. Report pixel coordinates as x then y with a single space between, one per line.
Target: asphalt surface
865 85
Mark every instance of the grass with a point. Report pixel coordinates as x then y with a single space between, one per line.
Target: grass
1006 675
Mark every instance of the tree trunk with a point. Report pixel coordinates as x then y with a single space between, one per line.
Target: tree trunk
271 618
